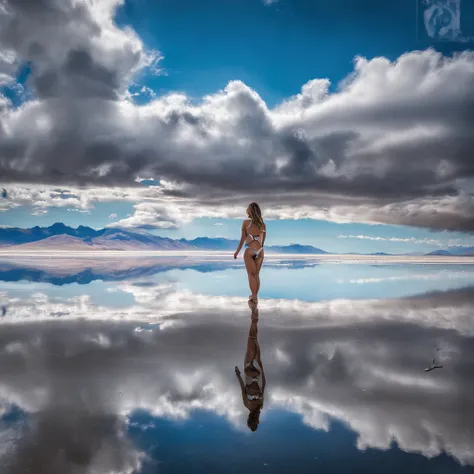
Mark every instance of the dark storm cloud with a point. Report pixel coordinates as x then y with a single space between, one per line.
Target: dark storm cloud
71 441
81 75
58 38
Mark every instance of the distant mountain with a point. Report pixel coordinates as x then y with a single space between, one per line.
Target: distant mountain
461 250
208 243
110 239
16 236
296 248
454 251
56 242
120 239
103 239
441 252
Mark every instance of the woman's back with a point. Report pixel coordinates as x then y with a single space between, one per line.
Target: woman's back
253 229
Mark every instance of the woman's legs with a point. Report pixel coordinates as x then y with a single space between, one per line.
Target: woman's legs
251 267
259 262
252 353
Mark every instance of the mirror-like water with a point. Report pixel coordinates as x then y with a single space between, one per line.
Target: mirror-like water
129 366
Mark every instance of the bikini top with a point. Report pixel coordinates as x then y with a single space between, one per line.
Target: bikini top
254 237
250 380
254 397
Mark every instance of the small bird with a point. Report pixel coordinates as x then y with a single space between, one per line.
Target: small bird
434 365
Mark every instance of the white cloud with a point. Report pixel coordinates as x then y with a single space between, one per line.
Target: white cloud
150 92
144 90
157 302
409 240
440 276
39 212
8 65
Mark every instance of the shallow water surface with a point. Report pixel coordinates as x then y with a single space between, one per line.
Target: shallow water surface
128 366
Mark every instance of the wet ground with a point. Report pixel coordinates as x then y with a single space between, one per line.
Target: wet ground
128 366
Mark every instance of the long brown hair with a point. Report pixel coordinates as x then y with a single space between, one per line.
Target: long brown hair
254 419
256 214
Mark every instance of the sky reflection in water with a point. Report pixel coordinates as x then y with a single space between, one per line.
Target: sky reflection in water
128 366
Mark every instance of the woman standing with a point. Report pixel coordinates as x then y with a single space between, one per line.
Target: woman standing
253 234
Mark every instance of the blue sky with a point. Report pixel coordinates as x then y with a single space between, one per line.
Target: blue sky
273 49
299 446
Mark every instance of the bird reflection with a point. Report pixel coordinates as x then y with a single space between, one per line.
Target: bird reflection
253 387
434 365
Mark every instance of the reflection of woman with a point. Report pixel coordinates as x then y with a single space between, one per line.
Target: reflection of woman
253 234
254 386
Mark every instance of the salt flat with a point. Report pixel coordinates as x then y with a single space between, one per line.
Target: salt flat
328 258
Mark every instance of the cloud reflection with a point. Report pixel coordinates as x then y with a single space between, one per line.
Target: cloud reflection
72 365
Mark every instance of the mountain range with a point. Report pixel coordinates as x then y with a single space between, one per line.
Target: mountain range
62 237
